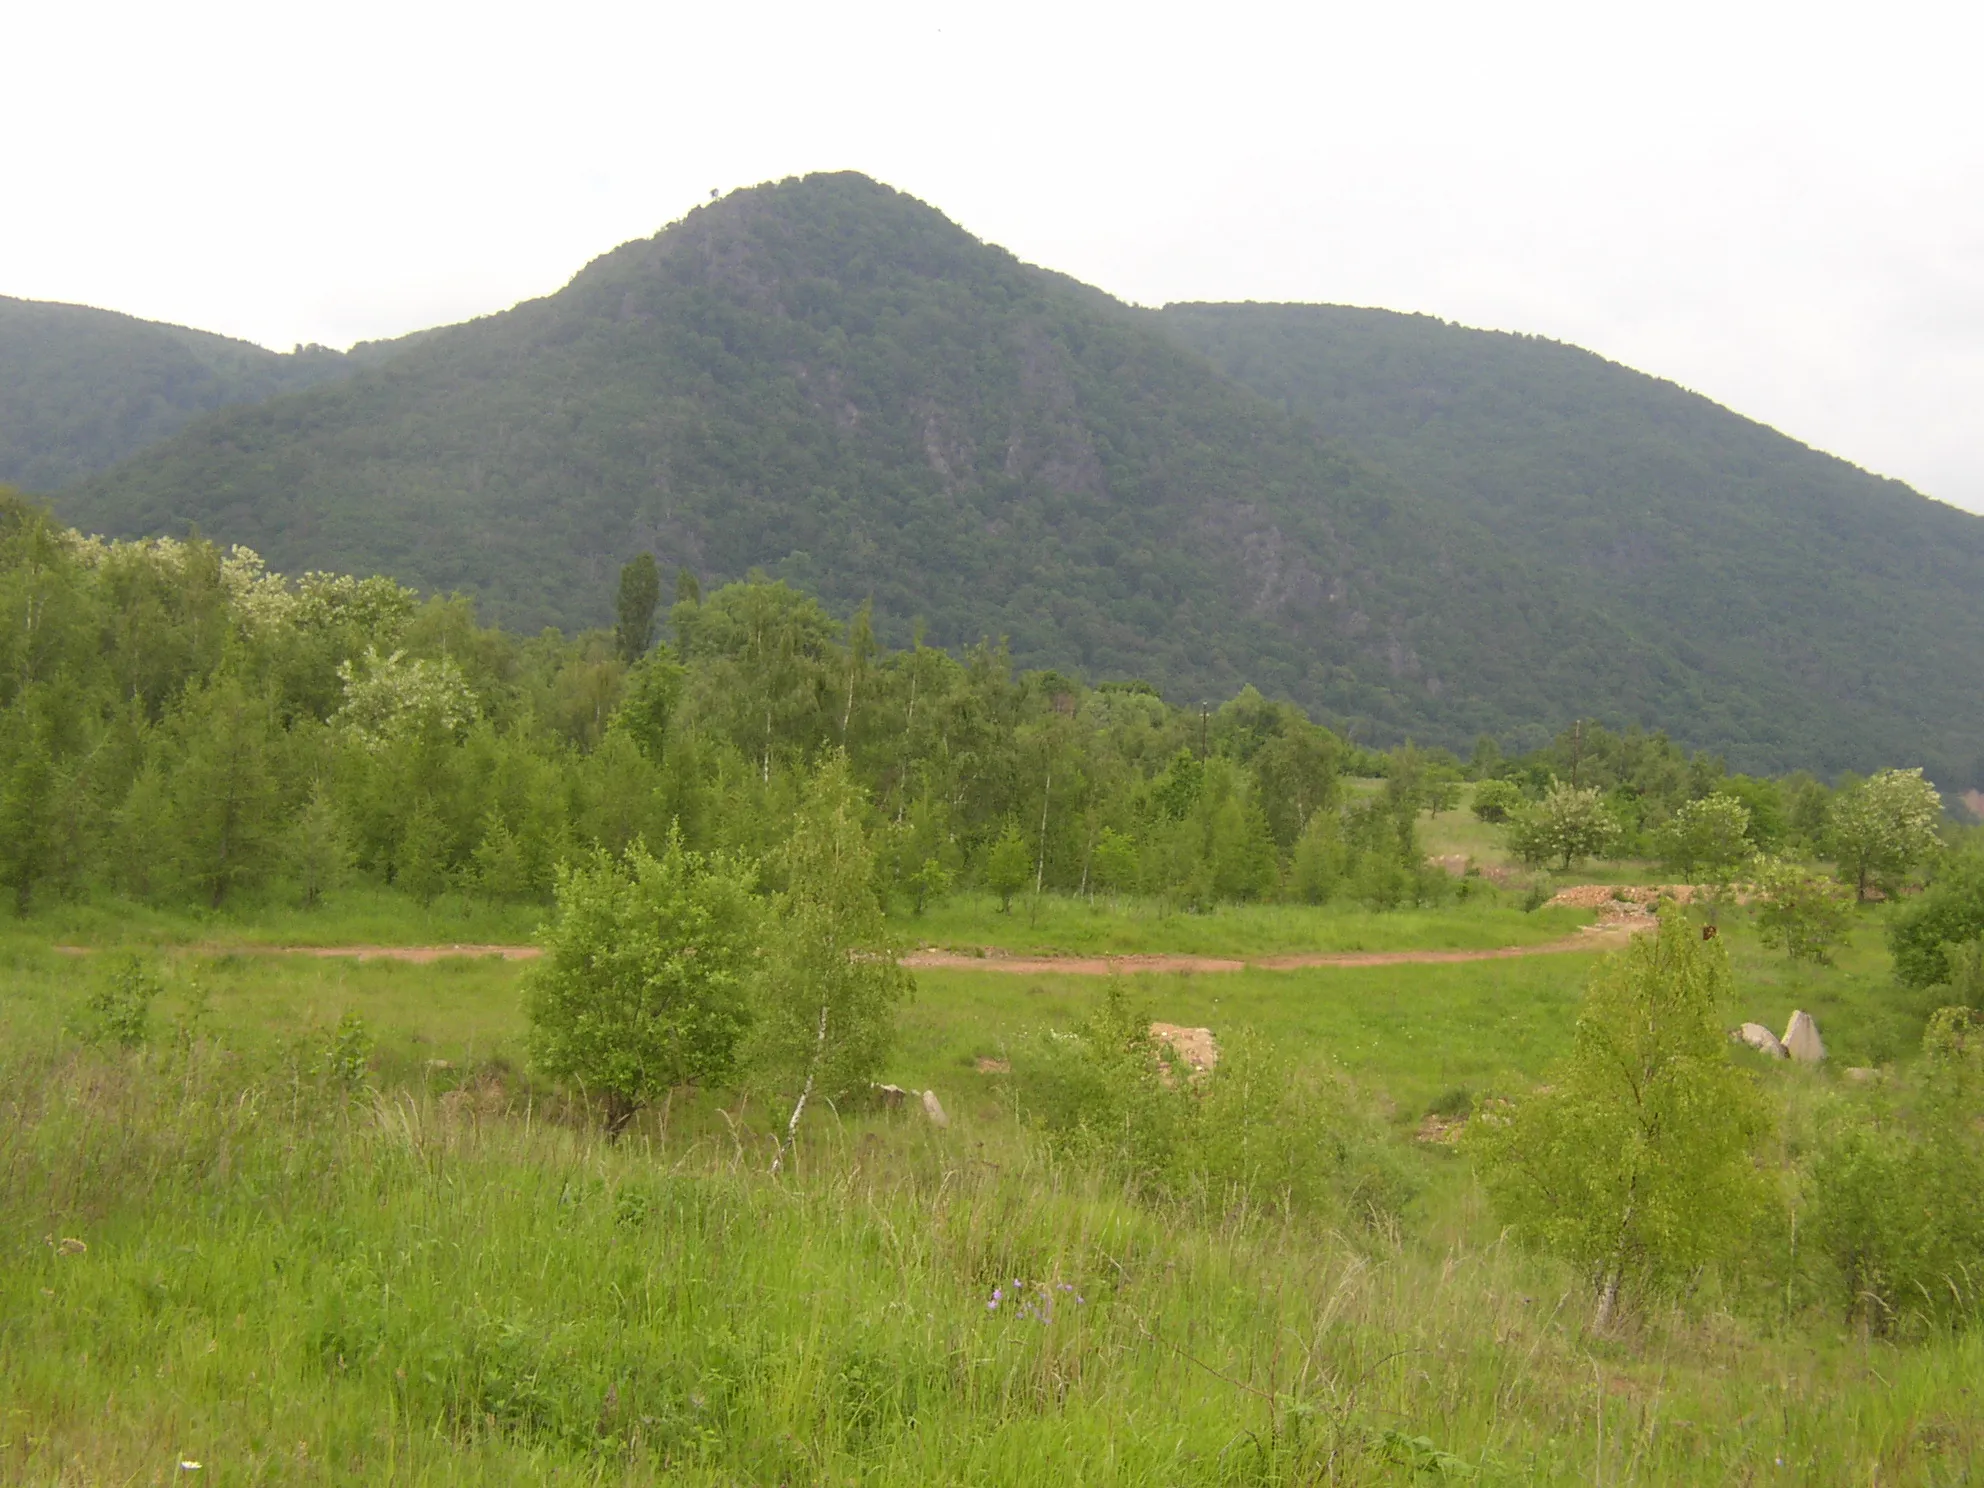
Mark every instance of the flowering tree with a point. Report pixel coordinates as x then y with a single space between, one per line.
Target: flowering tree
1883 827
393 697
1568 823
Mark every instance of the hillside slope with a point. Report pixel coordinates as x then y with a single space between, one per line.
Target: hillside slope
832 381
1850 607
81 389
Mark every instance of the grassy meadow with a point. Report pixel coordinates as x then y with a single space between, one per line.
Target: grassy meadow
445 1274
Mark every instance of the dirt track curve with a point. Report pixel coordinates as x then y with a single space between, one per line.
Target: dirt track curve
1597 938
1594 940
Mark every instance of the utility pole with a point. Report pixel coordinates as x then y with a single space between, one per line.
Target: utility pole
1577 750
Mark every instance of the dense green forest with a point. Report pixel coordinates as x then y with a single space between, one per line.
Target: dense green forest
81 389
1406 528
831 381
178 723
1839 602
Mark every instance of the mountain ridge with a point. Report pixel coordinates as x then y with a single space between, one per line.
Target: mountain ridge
831 381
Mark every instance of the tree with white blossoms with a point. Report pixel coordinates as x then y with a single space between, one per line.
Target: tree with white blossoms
1882 827
1567 824
396 697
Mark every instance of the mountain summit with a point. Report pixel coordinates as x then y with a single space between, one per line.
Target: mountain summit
831 381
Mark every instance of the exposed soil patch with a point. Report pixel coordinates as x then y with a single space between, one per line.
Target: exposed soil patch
993 959
419 954
1130 965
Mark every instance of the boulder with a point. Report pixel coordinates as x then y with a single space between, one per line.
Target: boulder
1801 1039
934 1109
891 1096
1761 1039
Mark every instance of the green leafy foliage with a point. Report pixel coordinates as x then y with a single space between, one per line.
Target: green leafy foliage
1802 912
1671 514
120 1007
634 607
1495 800
1251 1131
1883 827
1569 823
832 983
1008 866
648 975
1637 1165
1708 838
1950 911
1895 1189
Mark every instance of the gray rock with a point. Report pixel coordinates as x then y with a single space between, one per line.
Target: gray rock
1801 1039
934 1109
1761 1039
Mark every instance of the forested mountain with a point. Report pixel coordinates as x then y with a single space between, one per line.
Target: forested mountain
830 380
80 389
1845 605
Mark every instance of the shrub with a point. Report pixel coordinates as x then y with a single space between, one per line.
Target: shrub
1803 913
1895 1187
1711 835
1883 827
645 981
1495 800
1008 865
120 1010
1949 912
1253 1131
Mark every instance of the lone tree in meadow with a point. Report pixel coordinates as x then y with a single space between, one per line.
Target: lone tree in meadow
645 983
1636 1163
833 984
1882 827
1567 824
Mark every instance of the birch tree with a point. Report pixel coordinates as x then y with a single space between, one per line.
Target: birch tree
1636 1163
833 986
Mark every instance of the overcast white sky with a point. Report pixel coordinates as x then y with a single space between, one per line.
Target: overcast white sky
1779 205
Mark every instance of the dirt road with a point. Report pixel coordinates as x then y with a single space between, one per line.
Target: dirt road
1599 937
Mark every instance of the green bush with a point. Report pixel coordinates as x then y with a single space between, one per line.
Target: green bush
1950 911
1494 800
1895 1185
646 977
120 1009
1254 1131
1801 912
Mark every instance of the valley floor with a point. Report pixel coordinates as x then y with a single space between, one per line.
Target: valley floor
219 1255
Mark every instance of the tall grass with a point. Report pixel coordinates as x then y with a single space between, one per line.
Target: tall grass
287 1282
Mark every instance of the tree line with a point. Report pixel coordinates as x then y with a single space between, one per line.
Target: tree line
177 723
